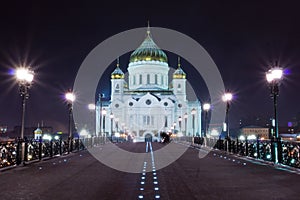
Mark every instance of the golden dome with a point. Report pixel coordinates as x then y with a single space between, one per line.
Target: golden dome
179 73
148 51
38 131
117 73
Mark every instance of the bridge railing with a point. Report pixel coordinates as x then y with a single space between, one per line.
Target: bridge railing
8 154
35 150
289 151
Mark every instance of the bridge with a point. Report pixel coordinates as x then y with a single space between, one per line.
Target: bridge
204 171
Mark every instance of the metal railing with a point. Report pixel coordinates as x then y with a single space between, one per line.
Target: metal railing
35 150
289 151
8 154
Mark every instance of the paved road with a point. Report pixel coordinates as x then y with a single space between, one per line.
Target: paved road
216 176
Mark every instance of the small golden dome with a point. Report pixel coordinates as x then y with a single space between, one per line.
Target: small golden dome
117 73
38 131
179 73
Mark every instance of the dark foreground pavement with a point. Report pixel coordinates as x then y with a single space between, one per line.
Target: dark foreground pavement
216 176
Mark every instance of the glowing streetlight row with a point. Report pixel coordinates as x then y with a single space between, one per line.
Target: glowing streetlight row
25 77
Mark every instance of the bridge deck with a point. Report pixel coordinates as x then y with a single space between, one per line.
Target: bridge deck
216 176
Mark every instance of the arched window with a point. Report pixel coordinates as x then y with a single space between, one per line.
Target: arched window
141 79
117 88
165 77
179 87
146 120
166 121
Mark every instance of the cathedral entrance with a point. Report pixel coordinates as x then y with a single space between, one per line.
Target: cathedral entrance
148 137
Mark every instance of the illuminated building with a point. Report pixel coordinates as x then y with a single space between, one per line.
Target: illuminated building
146 102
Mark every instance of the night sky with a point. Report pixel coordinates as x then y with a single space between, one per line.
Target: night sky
242 37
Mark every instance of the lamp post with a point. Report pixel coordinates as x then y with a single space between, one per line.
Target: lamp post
227 97
185 116
273 77
104 114
70 98
206 108
24 77
100 112
193 112
92 108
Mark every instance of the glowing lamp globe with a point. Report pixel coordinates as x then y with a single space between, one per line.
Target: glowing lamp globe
274 74
227 97
24 74
70 97
206 106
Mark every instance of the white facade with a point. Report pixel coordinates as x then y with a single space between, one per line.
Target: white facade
148 103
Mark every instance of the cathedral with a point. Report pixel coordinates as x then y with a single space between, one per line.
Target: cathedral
146 103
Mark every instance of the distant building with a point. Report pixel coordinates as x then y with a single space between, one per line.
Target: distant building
261 132
288 133
28 131
215 131
38 133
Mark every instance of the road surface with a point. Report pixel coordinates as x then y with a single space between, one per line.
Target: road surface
216 176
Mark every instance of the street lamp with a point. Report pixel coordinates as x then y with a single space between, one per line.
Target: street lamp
70 98
104 114
24 77
227 97
206 108
101 96
92 108
273 77
193 112
185 116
